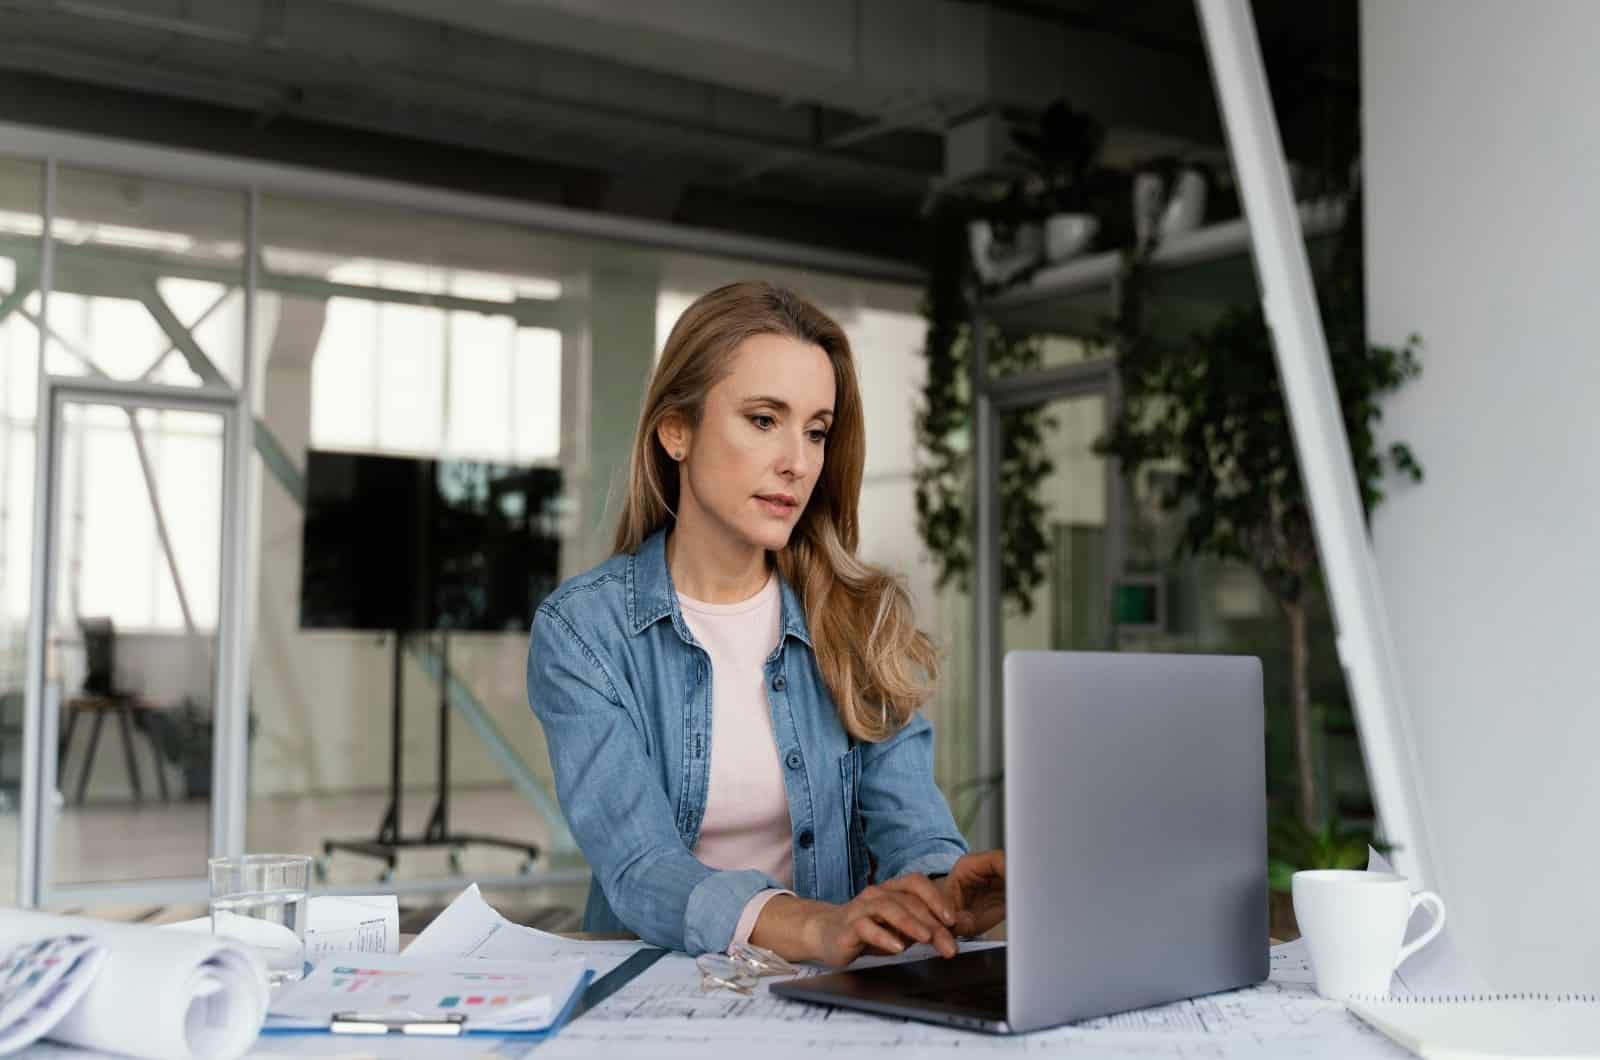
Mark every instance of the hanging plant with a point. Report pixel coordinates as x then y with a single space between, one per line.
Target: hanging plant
945 423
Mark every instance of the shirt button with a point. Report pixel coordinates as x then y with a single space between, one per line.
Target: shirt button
806 839
794 760
778 683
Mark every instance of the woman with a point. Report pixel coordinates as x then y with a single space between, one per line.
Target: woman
730 701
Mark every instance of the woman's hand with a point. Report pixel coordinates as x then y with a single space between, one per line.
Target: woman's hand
885 919
881 919
975 888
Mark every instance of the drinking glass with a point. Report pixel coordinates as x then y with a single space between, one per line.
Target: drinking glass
260 900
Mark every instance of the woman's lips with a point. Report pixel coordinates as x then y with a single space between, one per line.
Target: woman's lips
778 509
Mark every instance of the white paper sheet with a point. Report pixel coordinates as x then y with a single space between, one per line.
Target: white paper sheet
352 924
470 927
161 995
335 924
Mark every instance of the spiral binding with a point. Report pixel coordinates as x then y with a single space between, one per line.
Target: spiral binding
1453 999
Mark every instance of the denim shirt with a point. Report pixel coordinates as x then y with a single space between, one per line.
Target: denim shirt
624 694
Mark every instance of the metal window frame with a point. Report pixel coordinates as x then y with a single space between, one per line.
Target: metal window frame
34 885
994 396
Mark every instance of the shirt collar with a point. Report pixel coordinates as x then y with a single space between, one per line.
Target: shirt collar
651 597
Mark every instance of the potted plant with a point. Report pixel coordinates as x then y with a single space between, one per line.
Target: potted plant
1291 847
1059 151
1170 196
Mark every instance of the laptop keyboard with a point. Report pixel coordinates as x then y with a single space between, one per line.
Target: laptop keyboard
983 997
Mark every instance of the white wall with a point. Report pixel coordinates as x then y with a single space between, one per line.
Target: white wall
1482 148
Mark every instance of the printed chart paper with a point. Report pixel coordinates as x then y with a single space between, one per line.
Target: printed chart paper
493 995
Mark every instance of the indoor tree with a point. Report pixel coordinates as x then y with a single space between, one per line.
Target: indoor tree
1212 405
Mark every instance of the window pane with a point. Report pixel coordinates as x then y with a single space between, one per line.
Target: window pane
480 378
137 264
188 464
343 402
537 387
409 368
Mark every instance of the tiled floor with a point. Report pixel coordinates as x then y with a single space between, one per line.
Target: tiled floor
155 840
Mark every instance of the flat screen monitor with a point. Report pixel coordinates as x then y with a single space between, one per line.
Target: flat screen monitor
403 544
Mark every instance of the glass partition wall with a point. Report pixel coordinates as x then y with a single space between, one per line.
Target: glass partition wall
388 430
21 227
378 429
413 356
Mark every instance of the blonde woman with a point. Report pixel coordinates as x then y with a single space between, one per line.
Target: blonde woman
731 700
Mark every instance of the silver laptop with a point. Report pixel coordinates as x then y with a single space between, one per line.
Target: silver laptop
1136 849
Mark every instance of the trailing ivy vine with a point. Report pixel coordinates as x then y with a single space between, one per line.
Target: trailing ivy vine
945 426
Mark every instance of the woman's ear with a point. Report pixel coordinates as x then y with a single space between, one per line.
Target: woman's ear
674 434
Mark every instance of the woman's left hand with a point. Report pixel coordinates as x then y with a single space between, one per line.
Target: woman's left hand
976 888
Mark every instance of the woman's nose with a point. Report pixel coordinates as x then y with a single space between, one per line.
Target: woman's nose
794 460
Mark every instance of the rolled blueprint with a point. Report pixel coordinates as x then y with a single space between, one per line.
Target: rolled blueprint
161 995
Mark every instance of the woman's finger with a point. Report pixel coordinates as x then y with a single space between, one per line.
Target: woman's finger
900 916
928 928
928 905
876 935
925 889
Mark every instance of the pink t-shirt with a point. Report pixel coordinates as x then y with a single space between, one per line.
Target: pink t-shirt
746 823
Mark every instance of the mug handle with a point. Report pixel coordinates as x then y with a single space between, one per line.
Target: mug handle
1434 902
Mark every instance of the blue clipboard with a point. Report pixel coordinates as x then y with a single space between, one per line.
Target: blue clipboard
425 1028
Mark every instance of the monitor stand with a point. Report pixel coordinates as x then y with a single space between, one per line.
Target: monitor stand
389 841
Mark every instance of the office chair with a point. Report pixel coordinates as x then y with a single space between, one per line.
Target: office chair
99 696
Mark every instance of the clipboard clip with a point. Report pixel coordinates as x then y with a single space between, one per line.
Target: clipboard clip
451 1026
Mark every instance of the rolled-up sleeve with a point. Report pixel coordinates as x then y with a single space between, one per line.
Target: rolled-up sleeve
908 824
617 811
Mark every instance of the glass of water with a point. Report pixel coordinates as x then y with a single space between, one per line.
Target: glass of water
260 900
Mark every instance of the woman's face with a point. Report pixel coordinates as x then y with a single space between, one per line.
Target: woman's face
753 459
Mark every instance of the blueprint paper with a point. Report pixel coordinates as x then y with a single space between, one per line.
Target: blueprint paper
664 1013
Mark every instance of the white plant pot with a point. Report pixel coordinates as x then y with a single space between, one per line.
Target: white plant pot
996 263
1066 234
1187 207
1148 191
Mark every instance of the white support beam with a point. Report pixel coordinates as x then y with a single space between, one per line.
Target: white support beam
1289 300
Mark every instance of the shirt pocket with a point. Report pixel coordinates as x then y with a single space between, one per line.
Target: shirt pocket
854 827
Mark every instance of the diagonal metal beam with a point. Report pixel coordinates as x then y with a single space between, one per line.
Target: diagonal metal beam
26 285
142 450
180 336
201 319
477 715
280 463
1288 296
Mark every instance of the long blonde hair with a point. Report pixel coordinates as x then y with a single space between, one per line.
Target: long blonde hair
877 664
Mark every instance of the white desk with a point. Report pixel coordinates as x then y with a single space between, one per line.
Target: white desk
665 1016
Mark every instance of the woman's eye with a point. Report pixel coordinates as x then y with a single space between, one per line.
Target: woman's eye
764 423
818 437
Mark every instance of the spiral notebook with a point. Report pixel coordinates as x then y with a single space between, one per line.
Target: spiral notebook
1525 1026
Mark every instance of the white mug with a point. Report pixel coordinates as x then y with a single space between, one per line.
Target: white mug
1354 923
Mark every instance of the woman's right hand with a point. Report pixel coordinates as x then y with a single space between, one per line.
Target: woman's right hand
882 919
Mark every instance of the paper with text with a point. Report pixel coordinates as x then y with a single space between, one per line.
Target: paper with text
470 927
